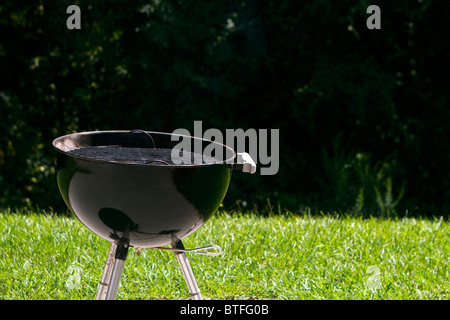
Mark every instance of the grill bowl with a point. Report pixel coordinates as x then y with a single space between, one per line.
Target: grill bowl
148 205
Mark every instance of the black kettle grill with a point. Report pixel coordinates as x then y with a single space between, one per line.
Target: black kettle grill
135 189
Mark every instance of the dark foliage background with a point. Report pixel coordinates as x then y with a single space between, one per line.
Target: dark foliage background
363 114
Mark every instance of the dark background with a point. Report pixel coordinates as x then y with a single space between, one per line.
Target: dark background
363 114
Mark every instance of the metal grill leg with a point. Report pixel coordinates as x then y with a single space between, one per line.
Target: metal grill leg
106 276
109 283
194 291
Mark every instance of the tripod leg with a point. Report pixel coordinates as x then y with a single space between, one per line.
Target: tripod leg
194 291
109 283
106 276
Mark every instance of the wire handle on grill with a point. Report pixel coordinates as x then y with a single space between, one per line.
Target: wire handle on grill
196 250
137 130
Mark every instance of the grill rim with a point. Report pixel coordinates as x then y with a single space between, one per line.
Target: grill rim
59 141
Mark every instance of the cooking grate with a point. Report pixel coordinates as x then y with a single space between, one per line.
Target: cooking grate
133 155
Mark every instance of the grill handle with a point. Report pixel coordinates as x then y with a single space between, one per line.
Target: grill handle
245 163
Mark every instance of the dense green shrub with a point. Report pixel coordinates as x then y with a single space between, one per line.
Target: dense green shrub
311 69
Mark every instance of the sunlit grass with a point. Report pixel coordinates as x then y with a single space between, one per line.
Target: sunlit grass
276 257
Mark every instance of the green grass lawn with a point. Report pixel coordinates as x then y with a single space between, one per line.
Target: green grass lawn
279 257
